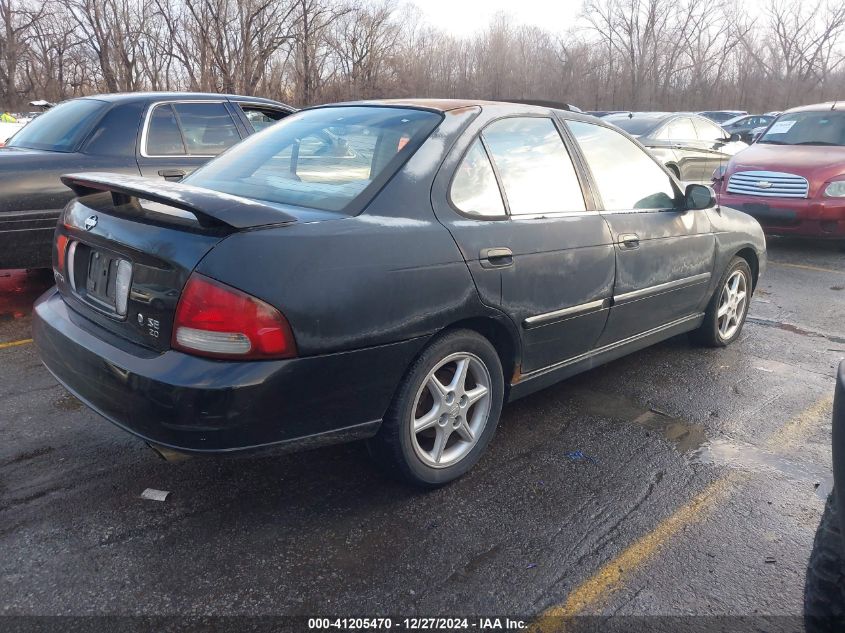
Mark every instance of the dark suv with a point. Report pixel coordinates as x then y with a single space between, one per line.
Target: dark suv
824 597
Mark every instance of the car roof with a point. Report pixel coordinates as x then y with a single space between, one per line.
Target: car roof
134 97
446 105
819 107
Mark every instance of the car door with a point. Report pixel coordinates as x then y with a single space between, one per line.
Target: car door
664 254
536 247
180 136
692 155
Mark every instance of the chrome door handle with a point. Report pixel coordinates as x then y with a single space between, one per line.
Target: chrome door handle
629 240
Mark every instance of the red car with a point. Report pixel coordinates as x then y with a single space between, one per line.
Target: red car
793 178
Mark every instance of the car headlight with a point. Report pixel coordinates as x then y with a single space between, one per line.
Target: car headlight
719 172
835 189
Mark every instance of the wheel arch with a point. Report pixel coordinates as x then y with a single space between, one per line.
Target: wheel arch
750 256
503 339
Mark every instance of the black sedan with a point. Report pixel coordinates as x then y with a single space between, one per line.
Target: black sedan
744 126
156 134
691 146
391 270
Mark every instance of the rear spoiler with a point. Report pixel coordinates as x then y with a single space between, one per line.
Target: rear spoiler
209 207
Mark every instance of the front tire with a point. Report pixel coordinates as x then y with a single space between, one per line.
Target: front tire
444 412
728 308
824 589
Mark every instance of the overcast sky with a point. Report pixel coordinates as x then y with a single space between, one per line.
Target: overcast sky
464 17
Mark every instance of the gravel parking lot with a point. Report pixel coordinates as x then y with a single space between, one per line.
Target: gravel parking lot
678 480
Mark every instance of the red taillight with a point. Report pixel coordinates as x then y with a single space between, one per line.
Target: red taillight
61 252
213 319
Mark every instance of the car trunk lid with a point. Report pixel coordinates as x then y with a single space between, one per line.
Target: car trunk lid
126 247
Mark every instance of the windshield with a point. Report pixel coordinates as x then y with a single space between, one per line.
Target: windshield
62 128
323 158
807 128
635 126
737 119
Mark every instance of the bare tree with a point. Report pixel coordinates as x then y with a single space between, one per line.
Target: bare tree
621 54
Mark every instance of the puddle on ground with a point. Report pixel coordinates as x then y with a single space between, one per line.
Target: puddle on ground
750 458
691 440
789 327
686 436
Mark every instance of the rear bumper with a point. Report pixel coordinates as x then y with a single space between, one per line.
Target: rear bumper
26 239
839 444
785 216
194 404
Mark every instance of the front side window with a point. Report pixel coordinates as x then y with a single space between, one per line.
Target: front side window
708 131
207 128
60 129
626 176
326 158
474 188
537 174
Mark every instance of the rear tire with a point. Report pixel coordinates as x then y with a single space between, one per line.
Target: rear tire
444 412
728 307
824 588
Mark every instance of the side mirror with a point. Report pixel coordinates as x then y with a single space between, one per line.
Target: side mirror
699 197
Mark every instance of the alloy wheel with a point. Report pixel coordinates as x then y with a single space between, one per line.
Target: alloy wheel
732 304
451 410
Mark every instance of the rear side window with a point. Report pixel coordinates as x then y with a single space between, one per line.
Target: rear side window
259 117
163 135
537 174
682 129
207 128
708 131
474 188
626 177
193 129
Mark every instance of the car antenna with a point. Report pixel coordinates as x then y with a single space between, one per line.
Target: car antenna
833 107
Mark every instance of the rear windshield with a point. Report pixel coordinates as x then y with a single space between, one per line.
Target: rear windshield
60 129
807 128
635 126
326 158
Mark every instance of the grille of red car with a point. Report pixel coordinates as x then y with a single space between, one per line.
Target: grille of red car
769 184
